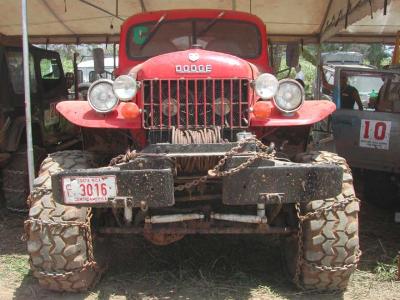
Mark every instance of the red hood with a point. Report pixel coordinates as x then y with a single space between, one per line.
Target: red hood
201 64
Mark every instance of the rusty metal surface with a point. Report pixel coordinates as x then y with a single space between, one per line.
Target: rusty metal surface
162 239
153 186
199 228
179 150
297 183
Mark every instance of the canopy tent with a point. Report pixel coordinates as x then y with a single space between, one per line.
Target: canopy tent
309 21
98 21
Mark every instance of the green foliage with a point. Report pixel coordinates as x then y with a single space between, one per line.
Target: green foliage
376 54
85 50
386 272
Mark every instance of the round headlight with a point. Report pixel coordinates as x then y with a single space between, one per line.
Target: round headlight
101 96
266 86
290 96
125 87
226 107
170 107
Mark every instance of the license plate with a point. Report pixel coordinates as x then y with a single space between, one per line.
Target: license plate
89 189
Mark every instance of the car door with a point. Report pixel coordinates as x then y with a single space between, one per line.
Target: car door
368 139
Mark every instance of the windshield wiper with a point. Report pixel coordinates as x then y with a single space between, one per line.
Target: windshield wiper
153 31
210 24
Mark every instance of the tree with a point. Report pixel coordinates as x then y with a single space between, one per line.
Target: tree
375 54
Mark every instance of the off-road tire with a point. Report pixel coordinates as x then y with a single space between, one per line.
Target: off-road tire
59 255
330 241
15 177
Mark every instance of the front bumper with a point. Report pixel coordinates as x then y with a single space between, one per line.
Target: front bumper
150 179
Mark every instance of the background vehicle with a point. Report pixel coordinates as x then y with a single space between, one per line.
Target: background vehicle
87 74
216 147
331 61
48 86
370 139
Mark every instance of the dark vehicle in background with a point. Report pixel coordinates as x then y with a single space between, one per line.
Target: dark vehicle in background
50 130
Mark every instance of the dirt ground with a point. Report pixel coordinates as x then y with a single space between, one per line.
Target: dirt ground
207 267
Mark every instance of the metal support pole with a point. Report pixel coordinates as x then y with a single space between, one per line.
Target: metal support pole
27 91
317 95
114 55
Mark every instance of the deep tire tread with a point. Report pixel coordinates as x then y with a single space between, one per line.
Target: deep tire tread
331 240
59 250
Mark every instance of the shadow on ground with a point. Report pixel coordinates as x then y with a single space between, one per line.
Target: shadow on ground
204 267
197 267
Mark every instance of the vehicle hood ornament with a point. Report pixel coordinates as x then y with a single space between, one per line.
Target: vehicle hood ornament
194 56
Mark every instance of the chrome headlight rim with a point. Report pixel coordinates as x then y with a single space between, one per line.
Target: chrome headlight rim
133 84
291 111
92 86
274 85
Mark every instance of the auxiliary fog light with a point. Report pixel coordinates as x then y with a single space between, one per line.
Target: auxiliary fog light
266 86
125 87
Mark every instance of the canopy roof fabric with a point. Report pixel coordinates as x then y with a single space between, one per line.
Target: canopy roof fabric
310 21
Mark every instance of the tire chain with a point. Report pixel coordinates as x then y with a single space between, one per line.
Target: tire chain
300 253
85 226
267 152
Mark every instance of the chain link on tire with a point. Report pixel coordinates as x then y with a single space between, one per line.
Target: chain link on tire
15 178
59 239
327 244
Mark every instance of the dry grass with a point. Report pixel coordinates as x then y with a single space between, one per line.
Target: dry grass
207 267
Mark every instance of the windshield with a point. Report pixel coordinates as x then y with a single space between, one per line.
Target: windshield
16 70
228 36
366 85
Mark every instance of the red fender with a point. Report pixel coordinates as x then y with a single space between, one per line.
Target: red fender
80 113
311 112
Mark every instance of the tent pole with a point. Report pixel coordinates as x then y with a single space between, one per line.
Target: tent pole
114 55
25 47
318 81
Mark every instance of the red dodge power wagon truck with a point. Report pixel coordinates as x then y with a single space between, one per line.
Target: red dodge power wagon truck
194 136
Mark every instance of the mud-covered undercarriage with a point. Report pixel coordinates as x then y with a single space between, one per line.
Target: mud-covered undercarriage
221 188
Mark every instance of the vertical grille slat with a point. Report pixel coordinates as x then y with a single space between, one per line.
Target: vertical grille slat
240 98
195 103
222 105
160 101
231 104
151 103
187 103
213 102
169 103
179 103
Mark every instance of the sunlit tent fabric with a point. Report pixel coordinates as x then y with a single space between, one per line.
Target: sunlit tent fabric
308 21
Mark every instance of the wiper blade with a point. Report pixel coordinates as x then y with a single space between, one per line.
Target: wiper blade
211 24
153 31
